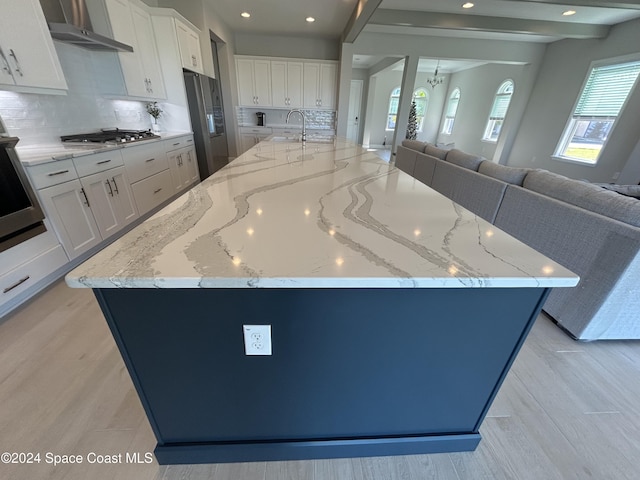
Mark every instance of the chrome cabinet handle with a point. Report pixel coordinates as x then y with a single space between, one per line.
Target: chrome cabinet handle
194 61
86 200
17 284
15 59
157 190
103 162
115 185
110 189
61 172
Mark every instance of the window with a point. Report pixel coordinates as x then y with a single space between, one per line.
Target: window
450 114
420 96
498 111
600 102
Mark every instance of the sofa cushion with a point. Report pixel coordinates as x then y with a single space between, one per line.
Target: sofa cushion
466 160
628 190
406 159
512 175
414 145
479 193
434 151
425 166
584 195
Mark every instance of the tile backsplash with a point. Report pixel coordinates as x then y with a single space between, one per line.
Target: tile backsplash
315 119
42 119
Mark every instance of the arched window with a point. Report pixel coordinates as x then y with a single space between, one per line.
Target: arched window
420 96
450 114
498 111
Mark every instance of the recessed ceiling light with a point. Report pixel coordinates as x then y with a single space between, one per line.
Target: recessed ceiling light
245 14
568 13
467 5
310 19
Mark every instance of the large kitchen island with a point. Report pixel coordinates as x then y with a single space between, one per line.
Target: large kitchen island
394 313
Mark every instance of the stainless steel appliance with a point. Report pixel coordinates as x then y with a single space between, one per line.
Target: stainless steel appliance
69 22
207 122
109 136
20 214
261 118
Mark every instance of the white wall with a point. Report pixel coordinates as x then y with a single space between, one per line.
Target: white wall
478 87
565 66
287 46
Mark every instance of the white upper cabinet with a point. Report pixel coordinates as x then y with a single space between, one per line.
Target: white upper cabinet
132 25
189 43
254 82
28 58
286 84
320 85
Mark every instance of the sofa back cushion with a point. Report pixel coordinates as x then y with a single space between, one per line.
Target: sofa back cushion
512 175
406 159
414 145
478 193
466 160
425 166
434 151
584 195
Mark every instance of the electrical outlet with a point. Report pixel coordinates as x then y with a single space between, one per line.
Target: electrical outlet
257 339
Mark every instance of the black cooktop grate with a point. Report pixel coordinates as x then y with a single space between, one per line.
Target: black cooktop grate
110 135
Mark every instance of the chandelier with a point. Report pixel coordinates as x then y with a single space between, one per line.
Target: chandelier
435 80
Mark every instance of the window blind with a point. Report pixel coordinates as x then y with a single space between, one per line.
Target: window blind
606 90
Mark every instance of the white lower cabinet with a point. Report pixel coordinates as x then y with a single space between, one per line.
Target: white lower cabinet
184 167
111 200
69 210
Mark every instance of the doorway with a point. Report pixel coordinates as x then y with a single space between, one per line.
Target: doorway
355 107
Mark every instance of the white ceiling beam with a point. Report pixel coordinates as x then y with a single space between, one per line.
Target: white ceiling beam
412 18
359 19
384 64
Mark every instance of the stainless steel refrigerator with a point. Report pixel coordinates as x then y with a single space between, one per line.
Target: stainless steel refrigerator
207 121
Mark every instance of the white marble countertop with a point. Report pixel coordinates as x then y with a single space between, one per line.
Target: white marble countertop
327 215
31 155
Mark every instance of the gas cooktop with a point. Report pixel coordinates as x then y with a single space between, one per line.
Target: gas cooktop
110 136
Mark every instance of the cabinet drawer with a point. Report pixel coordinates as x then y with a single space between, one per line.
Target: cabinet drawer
143 161
152 191
256 130
178 142
52 173
28 274
97 162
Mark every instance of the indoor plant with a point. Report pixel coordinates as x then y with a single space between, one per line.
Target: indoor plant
154 110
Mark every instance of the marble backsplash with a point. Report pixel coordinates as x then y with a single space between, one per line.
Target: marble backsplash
315 119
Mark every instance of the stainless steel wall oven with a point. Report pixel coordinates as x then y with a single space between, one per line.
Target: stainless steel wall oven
20 214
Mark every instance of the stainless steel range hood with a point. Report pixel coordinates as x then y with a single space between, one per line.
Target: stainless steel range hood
69 22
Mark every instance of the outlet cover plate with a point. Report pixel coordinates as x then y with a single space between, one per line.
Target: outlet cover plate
257 339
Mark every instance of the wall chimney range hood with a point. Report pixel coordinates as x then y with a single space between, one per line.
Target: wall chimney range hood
69 22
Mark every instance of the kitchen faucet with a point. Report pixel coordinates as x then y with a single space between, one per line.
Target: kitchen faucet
304 127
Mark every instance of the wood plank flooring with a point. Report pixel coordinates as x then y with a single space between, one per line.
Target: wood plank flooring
567 410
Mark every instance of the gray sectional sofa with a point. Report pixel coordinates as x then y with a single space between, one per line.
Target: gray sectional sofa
592 231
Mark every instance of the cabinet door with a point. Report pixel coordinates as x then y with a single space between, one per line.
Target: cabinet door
100 192
148 53
123 198
328 78
191 163
262 82
123 30
189 43
28 48
179 173
311 85
279 95
294 84
71 217
246 95
247 140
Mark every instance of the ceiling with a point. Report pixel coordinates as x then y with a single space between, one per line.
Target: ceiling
523 20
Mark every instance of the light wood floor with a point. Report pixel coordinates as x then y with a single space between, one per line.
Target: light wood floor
566 411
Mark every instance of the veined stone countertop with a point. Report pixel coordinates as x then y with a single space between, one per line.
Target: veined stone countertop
31 155
327 215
